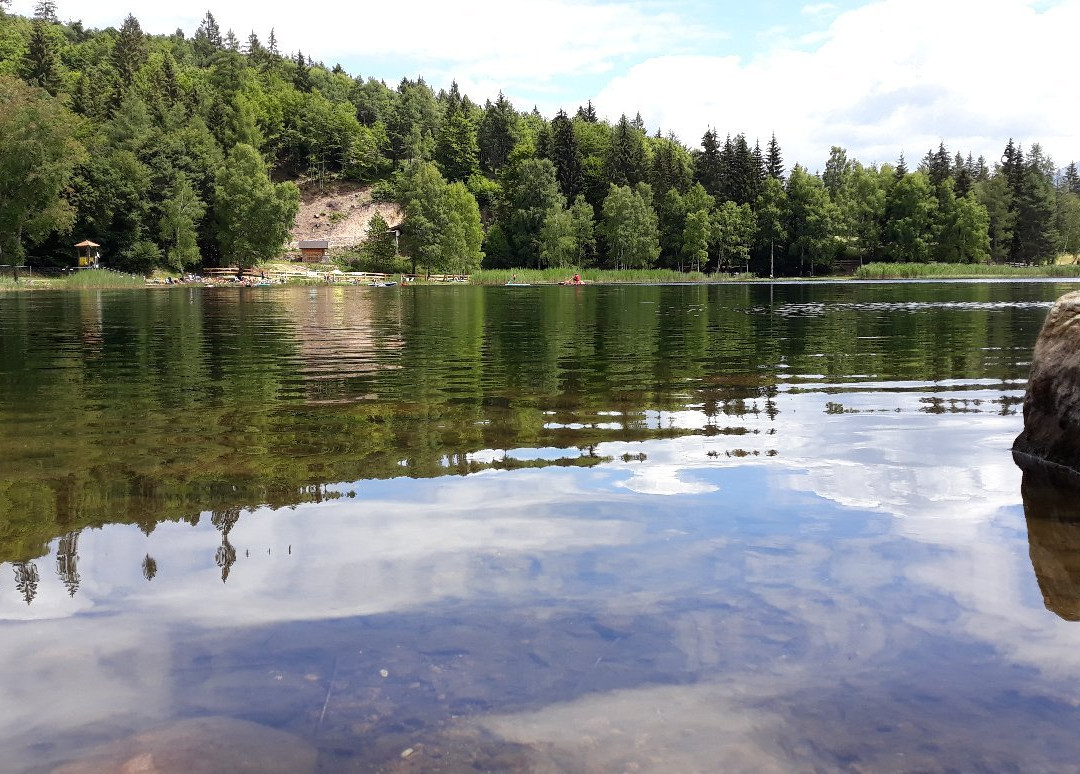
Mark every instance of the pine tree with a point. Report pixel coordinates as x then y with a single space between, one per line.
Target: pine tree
1072 178
962 174
456 149
565 156
587 113
937 165
302 74
272 46
498 134
626 161
774 162
759 168
1035 237
45 11
901 167
207 40
40 65
707 169
130 51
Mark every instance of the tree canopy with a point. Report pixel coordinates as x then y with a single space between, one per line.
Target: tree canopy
161 147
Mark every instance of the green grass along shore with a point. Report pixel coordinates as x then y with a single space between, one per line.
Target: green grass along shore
875 271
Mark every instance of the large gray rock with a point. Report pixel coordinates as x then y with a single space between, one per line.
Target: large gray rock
1052 404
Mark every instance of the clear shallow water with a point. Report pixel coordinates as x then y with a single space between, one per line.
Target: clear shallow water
647 528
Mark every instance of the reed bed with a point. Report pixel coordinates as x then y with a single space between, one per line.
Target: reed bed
99 278
590 276
961 270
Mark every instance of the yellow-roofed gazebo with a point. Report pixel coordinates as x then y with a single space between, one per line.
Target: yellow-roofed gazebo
88 254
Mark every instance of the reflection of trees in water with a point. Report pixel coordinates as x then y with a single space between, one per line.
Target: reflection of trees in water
225 556
26 580
414 383
149 567
67 561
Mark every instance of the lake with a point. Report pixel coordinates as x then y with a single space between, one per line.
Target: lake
750 527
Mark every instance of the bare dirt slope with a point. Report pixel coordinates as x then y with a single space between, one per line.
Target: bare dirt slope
339 213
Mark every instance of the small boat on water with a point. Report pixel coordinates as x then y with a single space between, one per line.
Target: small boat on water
518 284
383 284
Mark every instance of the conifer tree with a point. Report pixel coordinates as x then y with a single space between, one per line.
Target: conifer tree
45 11
708 168
774 162
497 134
129 52
587 113
626 161
207 40
456 149
1072 178
40 65
901 167
301 73
565 156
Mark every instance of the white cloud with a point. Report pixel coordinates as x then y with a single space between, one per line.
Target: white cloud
891 76
818 9
485 43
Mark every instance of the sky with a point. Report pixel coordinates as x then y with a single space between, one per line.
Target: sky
876 78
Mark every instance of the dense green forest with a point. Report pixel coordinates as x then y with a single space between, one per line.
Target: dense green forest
176 152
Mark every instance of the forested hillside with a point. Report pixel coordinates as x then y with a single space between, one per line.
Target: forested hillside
178 151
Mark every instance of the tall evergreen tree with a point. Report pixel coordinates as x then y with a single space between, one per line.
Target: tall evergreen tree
498 134
1072 179
301 73
708 167
45 11
626 162
207 40
130 52
587 113
1035 239
456 149
774 161
565 156
40 65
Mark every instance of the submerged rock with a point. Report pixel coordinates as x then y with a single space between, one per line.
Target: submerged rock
201 746
1052 403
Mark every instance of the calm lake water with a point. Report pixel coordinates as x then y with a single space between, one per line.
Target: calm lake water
744 528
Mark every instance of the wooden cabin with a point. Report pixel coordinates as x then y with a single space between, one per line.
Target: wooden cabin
314 250
88 253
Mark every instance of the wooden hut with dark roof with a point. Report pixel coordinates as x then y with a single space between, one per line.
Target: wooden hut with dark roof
314 250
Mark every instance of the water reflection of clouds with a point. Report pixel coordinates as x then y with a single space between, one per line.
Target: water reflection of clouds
770 592
343 557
